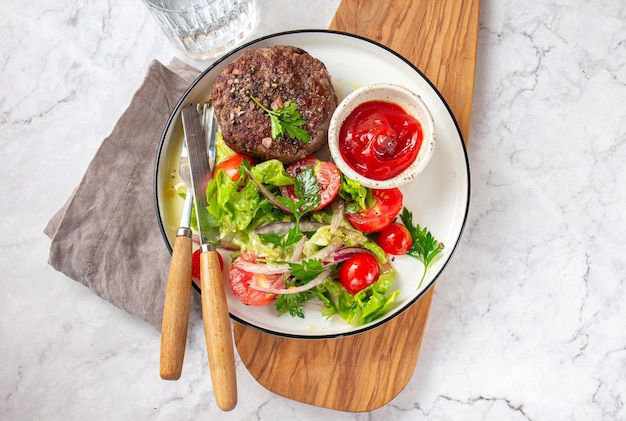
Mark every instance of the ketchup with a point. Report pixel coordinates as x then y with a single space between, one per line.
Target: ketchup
379 140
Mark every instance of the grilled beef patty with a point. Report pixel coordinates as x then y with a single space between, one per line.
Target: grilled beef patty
273 76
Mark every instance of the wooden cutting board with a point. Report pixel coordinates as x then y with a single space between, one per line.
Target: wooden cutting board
365 371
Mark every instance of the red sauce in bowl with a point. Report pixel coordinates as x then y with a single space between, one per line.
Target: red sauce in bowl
379 140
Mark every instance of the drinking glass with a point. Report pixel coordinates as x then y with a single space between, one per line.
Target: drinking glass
204 28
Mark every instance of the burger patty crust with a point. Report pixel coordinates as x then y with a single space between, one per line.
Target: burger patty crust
273 76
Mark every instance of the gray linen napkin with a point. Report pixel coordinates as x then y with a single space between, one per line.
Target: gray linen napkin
106 235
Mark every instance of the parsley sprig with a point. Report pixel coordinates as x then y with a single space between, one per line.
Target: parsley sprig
306 270
307 191
425 246
286 120
302 273
283 241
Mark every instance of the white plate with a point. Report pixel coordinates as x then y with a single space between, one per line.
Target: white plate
438 197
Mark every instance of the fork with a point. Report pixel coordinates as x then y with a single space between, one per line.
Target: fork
178 290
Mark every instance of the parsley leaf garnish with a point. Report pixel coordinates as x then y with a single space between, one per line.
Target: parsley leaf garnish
307 270
292 237
425 246
286 120
307 190
302 273
292 303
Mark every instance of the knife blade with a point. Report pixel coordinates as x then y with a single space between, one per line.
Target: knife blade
200 174
217 329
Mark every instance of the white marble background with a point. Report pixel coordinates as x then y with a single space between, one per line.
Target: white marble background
528 321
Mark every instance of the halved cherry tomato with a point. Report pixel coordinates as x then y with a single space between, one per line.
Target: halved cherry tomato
395 239
359 272
195 265
327 174
382 213
240 280
231 165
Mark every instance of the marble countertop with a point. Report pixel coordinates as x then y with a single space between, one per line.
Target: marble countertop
528 320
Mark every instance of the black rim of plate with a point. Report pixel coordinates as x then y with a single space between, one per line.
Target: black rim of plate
339 33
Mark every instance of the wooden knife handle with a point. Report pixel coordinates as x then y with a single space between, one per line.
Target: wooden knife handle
176 308
217 329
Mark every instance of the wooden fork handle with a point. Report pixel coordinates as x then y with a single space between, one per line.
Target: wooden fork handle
176 307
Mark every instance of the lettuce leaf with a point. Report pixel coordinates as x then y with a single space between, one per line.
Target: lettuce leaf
221 148
232 205
238 205
271 172
357 196
363 307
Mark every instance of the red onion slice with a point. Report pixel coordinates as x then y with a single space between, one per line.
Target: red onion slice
344 253
323 253
263 268
283 228
337 207
294 290
298 249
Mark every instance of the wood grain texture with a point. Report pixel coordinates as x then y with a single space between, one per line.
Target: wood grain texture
363 372
439 37
357 373
176 310
217 330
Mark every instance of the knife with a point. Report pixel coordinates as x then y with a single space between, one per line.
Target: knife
215 315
